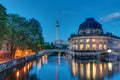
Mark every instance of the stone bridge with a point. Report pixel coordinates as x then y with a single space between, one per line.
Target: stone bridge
47 52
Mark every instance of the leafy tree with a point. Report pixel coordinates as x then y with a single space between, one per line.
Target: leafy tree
20 32
16 27
23 33
35 34
3 20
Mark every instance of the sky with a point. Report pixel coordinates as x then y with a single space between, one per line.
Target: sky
70 14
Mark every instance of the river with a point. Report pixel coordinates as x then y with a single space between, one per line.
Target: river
63 68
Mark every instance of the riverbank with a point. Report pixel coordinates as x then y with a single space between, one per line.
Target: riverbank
14 62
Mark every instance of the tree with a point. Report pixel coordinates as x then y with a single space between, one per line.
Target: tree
35 34
17 29
3 21
23 33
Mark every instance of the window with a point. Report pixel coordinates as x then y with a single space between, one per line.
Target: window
100 46
76 41
87 40
97 32
93 47
73 46
81 40
105 47
93 40
87 47
81 47
76 47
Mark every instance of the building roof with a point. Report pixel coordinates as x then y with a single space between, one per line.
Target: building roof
90 23
90 27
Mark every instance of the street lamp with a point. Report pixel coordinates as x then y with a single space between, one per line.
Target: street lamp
109 50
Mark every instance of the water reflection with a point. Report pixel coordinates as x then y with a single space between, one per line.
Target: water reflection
44 59
62 68
95 70
17 74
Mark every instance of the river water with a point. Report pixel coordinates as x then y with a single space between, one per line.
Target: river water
63 68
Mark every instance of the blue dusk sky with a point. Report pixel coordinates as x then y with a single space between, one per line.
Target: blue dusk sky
70 13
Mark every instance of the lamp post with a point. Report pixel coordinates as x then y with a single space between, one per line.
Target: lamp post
109 52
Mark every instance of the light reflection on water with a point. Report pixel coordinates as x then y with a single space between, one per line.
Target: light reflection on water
62 68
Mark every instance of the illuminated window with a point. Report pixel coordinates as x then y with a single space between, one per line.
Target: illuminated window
76 47
93 47
81 40
87 40
100 46
76 41
105 47
81 47
93 40
87 47
73 46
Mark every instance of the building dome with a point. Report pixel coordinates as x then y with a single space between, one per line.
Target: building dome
90 27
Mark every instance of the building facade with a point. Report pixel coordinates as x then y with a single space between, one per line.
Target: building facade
90 37
5 51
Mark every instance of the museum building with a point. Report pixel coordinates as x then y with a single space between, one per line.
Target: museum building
90 37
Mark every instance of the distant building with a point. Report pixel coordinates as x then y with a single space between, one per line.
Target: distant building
5 51
90 37
60 43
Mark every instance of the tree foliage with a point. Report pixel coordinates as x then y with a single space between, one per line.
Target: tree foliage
3 20
23 33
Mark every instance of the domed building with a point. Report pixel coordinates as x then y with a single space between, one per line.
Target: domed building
90 37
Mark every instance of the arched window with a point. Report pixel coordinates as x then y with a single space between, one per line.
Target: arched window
105 47
81 47
93 47
87 47
81 40
97 32
93 40
87 40
100 46
84 32
76 47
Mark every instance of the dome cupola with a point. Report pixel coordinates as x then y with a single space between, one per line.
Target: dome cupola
90 27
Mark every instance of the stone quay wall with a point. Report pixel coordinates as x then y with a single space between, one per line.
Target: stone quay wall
15 62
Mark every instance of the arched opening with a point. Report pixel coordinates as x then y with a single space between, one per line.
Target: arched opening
100 46
87 40
87 47
93 47
76 47
81 47
93 40
105 47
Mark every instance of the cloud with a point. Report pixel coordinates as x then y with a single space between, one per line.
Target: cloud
111 17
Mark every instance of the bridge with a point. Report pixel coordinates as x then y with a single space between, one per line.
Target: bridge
72 53
47 52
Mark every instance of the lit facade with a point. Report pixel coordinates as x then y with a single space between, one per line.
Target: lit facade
91 37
